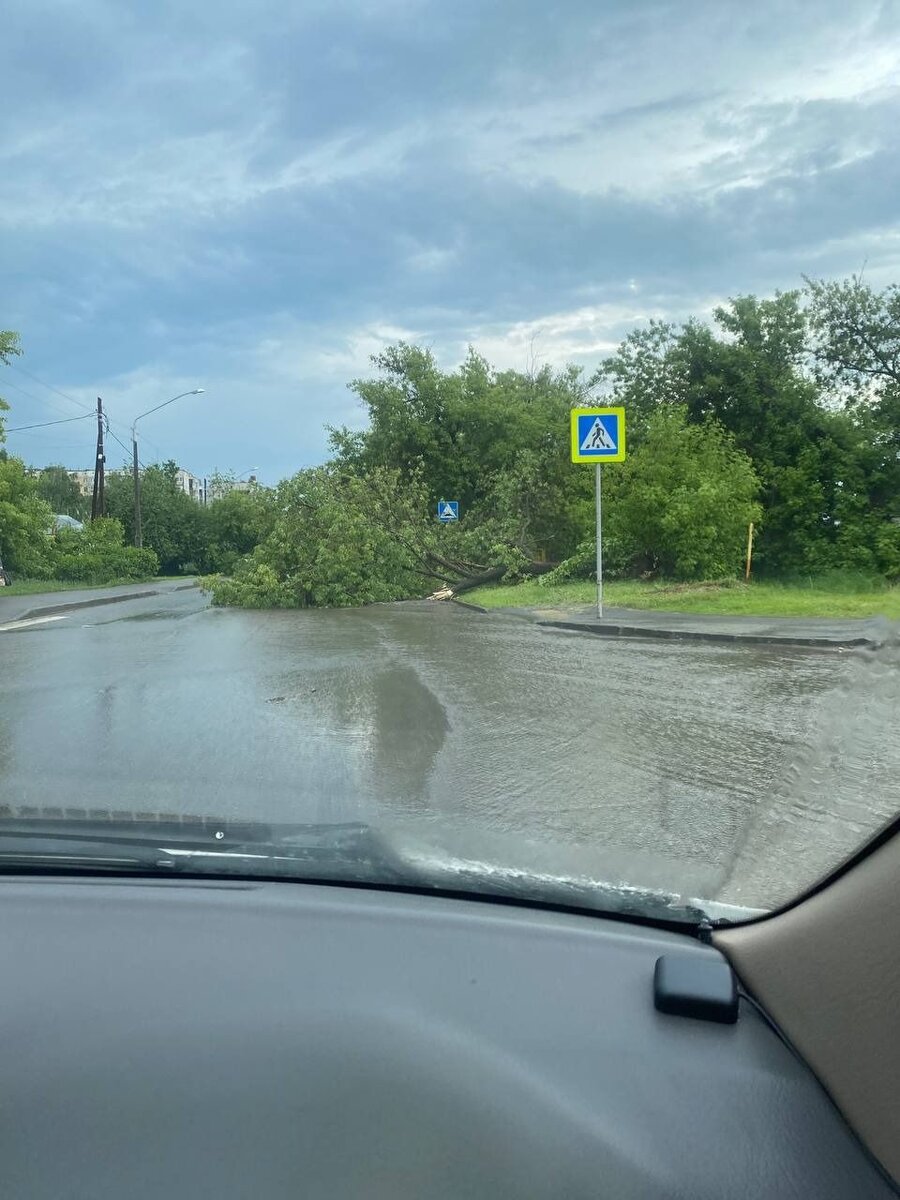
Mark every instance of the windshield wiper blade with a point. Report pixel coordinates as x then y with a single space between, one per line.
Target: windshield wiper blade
350 851
30 859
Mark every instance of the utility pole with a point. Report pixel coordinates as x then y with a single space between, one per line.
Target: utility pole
138 535
97 497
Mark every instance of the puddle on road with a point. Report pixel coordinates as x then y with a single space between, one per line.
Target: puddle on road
678 752
393 720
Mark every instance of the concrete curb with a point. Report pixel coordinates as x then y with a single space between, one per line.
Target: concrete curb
616 629
49 609
699 635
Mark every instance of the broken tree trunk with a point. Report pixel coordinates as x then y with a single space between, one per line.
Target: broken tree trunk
491 575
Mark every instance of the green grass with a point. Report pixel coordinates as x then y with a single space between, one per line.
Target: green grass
34 587
814 598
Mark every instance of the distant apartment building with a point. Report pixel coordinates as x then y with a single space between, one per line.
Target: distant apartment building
85 480
191 485
221 485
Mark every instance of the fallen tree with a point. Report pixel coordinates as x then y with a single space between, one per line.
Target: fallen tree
489 575
343 539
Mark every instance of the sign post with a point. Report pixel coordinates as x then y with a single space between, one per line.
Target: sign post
598 436
598 481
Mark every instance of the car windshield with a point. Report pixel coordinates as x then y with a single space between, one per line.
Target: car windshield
452 446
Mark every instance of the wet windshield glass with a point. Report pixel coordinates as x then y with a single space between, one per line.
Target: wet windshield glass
441 446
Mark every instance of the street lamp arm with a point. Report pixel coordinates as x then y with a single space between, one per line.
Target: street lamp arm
192 392
138 532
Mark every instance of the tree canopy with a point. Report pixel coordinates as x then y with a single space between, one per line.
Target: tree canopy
783 410
62 493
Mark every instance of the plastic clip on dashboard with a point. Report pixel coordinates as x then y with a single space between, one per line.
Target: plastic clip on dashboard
687 985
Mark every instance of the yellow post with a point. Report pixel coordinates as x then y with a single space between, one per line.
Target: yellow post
749 552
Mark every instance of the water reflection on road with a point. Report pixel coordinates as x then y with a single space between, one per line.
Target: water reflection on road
704 767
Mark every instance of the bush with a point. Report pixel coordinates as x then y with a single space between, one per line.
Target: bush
25 522
887 548
679 506
97 554
582 564
258 586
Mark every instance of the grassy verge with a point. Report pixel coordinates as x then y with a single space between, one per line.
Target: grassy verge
35 587
739 599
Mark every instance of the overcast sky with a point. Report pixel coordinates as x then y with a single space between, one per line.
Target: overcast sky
254 197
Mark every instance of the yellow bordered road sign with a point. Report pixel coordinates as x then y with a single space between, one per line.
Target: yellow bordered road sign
598 435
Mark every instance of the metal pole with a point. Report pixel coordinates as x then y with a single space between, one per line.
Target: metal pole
749 553
597 477
101 501
138 537
97 494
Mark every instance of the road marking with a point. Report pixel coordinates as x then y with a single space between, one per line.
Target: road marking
10 625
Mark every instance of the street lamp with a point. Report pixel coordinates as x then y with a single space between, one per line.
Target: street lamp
138 535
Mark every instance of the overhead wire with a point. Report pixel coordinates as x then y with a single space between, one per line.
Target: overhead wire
44 424
54 404
49 386
109 430
72 400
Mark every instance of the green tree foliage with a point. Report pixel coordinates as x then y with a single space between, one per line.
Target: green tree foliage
25 522
173 525
62 493
495 441
235 524
856 333
31 550
10 347
826 473
680 504
98 554
325 549
856 342
646 372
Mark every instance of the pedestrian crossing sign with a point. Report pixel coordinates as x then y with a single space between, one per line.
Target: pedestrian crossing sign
598 435
448 510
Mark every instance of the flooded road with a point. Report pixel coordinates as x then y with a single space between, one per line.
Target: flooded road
729 772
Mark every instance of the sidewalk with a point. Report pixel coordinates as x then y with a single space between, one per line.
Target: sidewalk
845 633
41 604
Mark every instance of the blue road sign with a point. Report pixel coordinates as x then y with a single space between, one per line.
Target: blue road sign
598 435
448 510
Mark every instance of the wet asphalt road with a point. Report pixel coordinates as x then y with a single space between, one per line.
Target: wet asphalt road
729 772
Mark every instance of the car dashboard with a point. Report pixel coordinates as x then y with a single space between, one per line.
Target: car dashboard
240 1039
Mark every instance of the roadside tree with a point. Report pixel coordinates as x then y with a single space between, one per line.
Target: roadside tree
25 521
173 525
62 493
679 506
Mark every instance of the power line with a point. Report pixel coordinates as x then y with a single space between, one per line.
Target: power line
44 424
88 411
31 396
121 443
49 386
